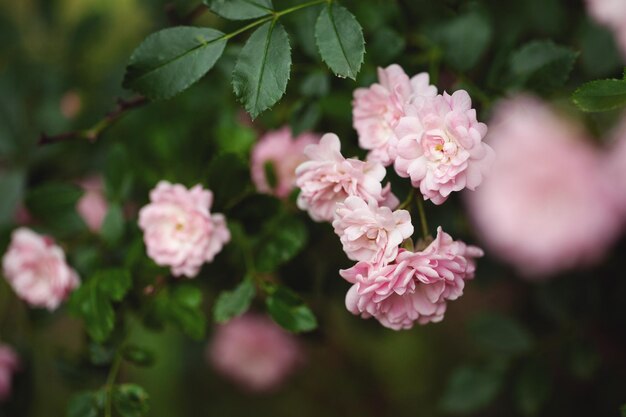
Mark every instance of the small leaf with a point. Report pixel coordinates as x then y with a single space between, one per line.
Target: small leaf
130 400
470 389
600 95
240 9
113 225
169 61
262 70
84 404
289 311
284 238
340 40
234 303
496 333
138 355
542 65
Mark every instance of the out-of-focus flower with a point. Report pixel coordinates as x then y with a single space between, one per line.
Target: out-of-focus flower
9 363
371 233
440 146
254 352
70 104
327 178
612 14
615 167
284 153
179 230
546 206
415 287
92 206
377 109
22 216
36 269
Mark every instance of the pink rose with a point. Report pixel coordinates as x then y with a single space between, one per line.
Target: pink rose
440 146
547 205
9 363
376 110
328 178
92 206
612 14
370 233
415 287
284 153
179 230
36 269
254 352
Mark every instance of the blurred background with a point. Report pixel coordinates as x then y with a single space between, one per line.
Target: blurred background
541 331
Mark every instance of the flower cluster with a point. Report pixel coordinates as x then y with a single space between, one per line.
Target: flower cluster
436 141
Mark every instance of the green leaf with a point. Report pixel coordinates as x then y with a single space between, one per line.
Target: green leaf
232 136
93 301
600 95
340 40
84 404
464 39
130 400
542 65
499 334
185 309
470 389
289 311
169 61
240 9
113 225
533 388
234 303
283 238
262 69
138 355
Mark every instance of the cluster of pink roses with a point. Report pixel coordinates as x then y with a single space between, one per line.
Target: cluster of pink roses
436 141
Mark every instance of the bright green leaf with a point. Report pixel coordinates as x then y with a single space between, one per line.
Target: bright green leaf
289 311
542 65
234 303
470 389
130 400
600 95
240 9
262 70
496 333
283 238
340 40
169 61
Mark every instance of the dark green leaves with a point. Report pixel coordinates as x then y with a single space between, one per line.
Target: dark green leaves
234 303
183 307
130 400
600 95
282 239
340 40
289 311
169 61
93 301
54 204
542 65
240 9
499 334
262 70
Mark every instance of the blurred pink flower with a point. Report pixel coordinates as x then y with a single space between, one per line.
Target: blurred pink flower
254 352
440 146
36 269
370 233
9 363
92 206
377 109
179 230
546 206
284 153
612 14
615 166
415 287
327 178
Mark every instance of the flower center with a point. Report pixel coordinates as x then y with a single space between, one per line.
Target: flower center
438 147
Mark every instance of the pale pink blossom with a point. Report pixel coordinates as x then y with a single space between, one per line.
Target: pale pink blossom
612 14
9 364
36 269
327 178
547 205
415 287
92 206
179 229
371 233
254 352
284 153
440 146
377 109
